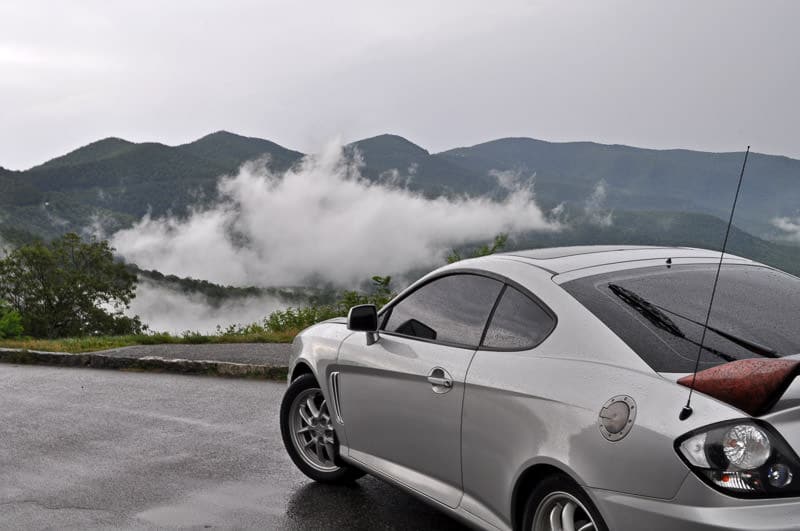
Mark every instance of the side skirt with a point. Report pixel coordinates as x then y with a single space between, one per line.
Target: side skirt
379 468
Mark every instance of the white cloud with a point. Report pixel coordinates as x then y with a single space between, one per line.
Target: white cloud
97 226
596 212
14 55
509 179
319 220
451 77
789 226
166 310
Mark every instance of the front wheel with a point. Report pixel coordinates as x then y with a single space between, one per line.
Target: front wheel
558 503
308 433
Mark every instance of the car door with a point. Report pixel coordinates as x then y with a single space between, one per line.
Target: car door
401 398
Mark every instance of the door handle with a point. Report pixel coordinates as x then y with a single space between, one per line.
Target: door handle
440 380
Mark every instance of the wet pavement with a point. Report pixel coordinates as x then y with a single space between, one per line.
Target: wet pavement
88 449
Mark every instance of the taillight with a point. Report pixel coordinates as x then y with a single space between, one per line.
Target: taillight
742 458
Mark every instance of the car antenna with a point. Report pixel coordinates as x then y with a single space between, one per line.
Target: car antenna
686 412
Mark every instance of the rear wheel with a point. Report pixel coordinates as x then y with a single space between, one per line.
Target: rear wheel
308 433
559 504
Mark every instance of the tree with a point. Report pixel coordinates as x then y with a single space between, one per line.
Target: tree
69 287
497 245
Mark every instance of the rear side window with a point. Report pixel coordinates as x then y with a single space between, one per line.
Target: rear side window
452 309
518 323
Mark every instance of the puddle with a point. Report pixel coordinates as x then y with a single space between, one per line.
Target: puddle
238 502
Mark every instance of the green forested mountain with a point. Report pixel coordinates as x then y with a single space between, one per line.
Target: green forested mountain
394 160
229 151
104 149
114 181
637 179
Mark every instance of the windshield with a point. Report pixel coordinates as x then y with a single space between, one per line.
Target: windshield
659 311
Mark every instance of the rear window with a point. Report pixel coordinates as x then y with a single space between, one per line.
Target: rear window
659 312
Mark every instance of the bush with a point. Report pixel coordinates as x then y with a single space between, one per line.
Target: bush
292 320
498 244
10 322
299 318
296 319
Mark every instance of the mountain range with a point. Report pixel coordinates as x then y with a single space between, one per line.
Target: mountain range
114 182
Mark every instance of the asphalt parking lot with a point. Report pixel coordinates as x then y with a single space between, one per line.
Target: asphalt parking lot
92 448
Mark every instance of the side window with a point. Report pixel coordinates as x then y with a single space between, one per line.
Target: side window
518 322
451 309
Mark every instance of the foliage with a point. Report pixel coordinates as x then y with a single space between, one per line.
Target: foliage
295 319
10 322
96 343
11 237
279 327
498 244
68 287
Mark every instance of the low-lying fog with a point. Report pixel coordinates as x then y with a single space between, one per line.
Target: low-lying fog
319 220
167 310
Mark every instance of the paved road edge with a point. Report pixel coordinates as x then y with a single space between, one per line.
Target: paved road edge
149 364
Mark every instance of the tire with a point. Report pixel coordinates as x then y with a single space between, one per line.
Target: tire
308 434
549 500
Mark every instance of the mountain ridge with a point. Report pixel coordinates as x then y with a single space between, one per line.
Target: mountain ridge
100 149
123 179
449 150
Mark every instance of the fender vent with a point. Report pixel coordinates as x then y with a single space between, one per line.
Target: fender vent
334 378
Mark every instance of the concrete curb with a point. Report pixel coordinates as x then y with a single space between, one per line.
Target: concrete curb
149 364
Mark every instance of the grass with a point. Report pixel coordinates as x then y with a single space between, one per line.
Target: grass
95 343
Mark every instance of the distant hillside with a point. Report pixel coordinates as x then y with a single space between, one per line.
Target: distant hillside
673 180
388 155
115 182
668 229
229 151
216 295
101 150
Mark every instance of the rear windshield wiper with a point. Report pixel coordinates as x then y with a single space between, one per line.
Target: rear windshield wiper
661 320
748 344
650 311
658 316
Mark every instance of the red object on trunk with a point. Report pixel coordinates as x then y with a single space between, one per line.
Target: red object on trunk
752 385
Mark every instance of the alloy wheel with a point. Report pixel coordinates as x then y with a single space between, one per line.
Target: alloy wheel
561 511
312 430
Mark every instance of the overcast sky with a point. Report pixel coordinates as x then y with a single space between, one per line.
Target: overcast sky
714 75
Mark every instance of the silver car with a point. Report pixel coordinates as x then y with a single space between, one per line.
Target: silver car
542 390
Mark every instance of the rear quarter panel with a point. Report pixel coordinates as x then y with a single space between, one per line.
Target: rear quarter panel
542 406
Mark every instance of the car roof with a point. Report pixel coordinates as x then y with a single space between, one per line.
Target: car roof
560 260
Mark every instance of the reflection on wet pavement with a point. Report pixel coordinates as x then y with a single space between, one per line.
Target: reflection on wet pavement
89 449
